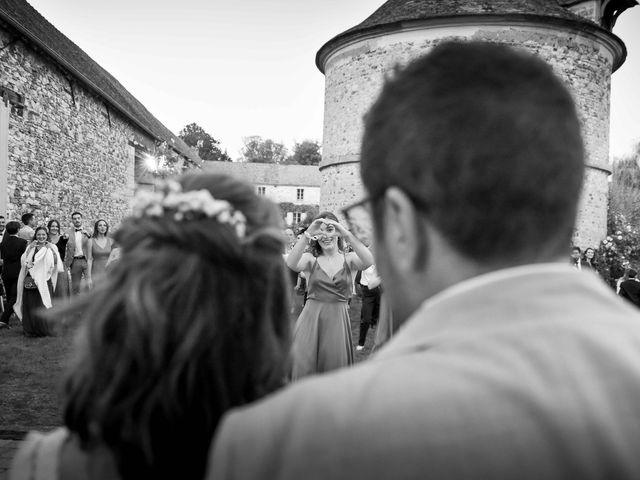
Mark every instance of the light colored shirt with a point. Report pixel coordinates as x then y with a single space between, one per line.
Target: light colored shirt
370 277
78 252
27 233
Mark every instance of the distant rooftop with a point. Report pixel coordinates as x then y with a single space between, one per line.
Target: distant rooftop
268 173
37 30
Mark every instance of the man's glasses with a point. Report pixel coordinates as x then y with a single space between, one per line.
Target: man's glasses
359 216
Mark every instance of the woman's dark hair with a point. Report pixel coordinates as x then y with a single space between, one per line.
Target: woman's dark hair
12 227
591 261
41 227
314 245
51 222
193 320
95 227
26 218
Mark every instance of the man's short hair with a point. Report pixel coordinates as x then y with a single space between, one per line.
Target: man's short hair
486 142
632 273
576 249
12 227
76 213
26 218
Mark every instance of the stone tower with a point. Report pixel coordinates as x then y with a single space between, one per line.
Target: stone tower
573 36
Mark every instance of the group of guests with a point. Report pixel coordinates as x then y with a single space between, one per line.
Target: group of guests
583 261
507 363
627 286
44 265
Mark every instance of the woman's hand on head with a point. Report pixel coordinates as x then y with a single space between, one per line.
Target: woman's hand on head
315 228
343 232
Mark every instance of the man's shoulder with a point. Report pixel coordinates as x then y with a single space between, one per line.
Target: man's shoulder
631 283
13 241
280 431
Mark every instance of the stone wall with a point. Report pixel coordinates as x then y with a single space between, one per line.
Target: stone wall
355 73
68 150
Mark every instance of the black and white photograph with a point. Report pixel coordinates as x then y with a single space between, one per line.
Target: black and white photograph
287 239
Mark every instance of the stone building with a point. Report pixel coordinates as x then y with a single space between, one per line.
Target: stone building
573 36
71 136
296 188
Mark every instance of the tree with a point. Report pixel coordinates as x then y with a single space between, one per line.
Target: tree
258 150
306 152
625 188
207 146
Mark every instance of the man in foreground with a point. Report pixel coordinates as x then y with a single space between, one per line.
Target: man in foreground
509 363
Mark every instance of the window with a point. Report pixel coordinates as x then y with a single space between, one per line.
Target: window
141 173
297 217
300 194
262 191
13 100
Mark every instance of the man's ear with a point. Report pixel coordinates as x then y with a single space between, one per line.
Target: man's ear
405 241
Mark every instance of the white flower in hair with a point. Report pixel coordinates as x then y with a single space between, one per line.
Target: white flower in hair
147 203
240 222
185 206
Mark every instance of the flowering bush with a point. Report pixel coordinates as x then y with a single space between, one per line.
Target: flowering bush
619 249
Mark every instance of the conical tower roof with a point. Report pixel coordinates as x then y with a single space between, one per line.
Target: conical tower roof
396 13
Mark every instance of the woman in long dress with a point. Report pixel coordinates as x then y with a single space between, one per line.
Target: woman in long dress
36 282
322 334
60 242
100 246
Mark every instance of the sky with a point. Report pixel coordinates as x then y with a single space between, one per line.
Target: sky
247 67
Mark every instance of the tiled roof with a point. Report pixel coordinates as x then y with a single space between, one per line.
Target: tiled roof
24 18
268 173
395 12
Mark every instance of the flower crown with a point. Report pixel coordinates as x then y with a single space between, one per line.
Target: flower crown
169 199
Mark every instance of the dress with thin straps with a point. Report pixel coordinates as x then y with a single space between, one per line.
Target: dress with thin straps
322 334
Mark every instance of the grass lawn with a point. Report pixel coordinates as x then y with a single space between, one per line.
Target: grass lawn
31 368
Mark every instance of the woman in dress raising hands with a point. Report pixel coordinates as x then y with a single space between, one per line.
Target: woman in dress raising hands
322 334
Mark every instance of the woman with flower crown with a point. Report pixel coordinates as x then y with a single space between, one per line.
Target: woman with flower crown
322 334
191 321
